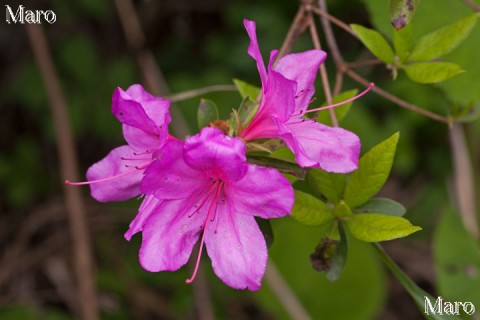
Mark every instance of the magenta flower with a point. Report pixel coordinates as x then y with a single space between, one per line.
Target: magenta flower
145 120
205 186
287 89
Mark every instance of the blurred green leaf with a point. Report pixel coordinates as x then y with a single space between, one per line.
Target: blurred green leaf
372 227
281 165
341 111
83 70
403 42
247 111
401 12
432 72
342 210
457 260
383 206
246 90
375 42
373 170
309 210
207 112
327 184
443 40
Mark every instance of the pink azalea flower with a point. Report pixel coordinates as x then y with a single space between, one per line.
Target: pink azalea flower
145 120
287 89
204 186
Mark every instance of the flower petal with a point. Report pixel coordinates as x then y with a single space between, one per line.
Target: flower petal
169 177
169 235
262 192
148 206
123 187
237 249
216 155
302 68
320 146
254 50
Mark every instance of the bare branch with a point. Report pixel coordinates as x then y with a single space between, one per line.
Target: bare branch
198 92
472 5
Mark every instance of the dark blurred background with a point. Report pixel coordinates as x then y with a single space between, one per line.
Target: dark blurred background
197 44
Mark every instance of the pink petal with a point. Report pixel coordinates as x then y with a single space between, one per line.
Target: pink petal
170 177
320 146
216 155
254 50
237 249
168 235
262 192
302 68
148 206
123 187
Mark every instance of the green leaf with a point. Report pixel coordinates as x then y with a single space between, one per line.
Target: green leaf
206 113
382 205
371 227
281 165
401 12
375 42
418 294
247 111
373 170
457 260
246 90
342 210
403 42
432 72
341 111
327 184
309 210
443 40
339 257
266 229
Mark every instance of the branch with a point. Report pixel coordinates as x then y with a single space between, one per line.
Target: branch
297 28
68 164
472 5
198 92
284 293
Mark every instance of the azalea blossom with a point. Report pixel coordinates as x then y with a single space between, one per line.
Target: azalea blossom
145 120
287 90
205 187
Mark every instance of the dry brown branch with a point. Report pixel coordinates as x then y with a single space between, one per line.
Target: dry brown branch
68 167
297 28
464 184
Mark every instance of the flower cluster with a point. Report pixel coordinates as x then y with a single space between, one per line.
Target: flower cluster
204 187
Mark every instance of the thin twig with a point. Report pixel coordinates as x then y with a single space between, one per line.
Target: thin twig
69 168
338 83
297 28
284 293
402 103
198 92
472 5
323 71
151 73
321 12
364 63
463 179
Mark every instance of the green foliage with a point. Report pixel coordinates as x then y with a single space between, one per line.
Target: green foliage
341 111
444 40
267 231
247 111
375 42
403 42
339 257
373 170
327 184
457 260
207 112
432 72
401 12
309 210
362 277
383 206
246 90
371 227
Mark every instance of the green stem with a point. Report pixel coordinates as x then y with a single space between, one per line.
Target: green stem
418 294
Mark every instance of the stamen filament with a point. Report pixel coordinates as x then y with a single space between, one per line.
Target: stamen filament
370 86
140 167
205 224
